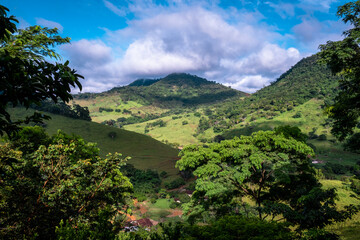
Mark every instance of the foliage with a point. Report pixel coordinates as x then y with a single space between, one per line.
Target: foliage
146 182
65 180
291 131
273 170
26 77
29 139
228 227
163 174
76 111
178 182
343 58
352 143
112 134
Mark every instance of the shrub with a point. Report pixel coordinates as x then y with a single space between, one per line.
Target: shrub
197 114
322 137
175 183
297 115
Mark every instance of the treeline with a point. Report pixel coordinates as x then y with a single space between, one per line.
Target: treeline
60 108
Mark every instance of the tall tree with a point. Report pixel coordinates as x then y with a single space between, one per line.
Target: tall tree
343 58
273 170
65 179
26 77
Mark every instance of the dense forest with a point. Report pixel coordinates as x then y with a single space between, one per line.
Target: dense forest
258 185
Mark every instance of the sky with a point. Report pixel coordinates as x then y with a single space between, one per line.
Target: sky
244 44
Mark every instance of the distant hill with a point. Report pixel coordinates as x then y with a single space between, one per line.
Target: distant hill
143 82
146 99
175 90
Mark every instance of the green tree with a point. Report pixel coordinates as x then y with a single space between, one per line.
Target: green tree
26 77
65 180
343 58
273 170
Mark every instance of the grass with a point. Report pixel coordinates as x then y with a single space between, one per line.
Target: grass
114 102
145 152
159 210
174 132
311 117
350 229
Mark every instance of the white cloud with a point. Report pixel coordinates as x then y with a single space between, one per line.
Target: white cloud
310 33
49 24
319 5
193 40
242 53
284 10
249 84
114 9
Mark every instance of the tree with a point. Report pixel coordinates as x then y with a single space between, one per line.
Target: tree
65 180
273 170
343 58
26 77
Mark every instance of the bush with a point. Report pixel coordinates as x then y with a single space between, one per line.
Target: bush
112 135
197 114
297 115
185 122
322 137
163 174
175 183
173 205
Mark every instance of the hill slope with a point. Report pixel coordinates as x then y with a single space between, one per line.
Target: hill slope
145 152
176 90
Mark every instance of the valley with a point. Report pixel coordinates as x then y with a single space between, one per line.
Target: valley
178 156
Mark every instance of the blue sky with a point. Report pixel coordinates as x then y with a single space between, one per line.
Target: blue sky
245 44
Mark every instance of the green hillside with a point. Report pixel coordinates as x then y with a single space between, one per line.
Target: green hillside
147 99
145 152
177 90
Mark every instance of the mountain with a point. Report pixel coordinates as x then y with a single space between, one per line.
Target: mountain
147 99
307 80
143 82
175 90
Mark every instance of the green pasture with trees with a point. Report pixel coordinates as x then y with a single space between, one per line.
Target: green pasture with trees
260 186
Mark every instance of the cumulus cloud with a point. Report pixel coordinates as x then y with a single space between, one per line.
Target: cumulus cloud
238 47
247 84
191 39
49 24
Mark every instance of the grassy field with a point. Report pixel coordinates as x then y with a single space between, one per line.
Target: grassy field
174 131
312 117
350 229
145 152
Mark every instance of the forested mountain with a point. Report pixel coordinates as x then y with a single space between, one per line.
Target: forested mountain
174 90
306 80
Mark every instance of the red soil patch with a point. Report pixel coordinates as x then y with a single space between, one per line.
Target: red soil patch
175 213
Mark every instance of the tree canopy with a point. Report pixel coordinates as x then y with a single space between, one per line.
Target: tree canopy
58 178
25 74
273 170
343 58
